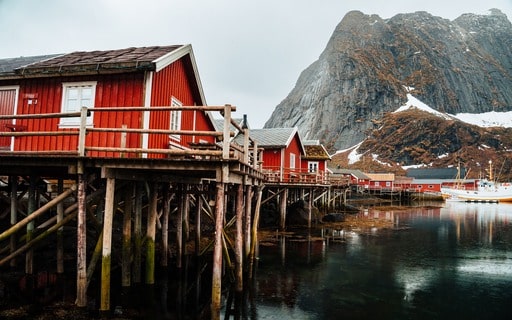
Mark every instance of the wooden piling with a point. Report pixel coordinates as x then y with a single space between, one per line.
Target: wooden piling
239 237
81 248
199 209
179 227
151 234
60 232
137 230
247 219
14 214
107 245
127 237
29 255
165 226
282 205
217 252
310 206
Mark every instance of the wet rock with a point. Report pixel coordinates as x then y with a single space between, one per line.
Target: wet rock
334 217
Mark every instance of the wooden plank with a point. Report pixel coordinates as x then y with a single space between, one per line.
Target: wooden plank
107 245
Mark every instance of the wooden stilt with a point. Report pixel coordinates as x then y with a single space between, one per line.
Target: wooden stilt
310 206
29 256
14 214
199 209
127 237
151 234
137 230
186 214
165 226
60 232
247 219
239 237
217 253
254 231
179 227
107 245
81 257
282 210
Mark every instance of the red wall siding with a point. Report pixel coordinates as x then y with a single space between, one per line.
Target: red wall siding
7 100
111 91
293 147
272 159
173 81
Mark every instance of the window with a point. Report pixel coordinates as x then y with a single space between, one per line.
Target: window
312 166
292 160
75 96
175 118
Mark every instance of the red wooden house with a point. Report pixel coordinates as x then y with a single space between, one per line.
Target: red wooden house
314 162
159 76
282 153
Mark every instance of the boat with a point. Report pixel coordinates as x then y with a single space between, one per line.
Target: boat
486 190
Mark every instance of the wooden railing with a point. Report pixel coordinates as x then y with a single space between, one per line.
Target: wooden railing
221 149
295 175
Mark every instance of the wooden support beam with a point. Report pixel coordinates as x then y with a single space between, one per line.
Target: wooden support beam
151 234
248 219
179 227
217 253
283 202
126 254
60 232
239 237
137 230
107 245
14 214
81 248
29 256
165 226
199 209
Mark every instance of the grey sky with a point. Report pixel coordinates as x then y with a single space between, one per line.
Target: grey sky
249 53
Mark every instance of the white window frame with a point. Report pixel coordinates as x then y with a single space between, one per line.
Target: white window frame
292 160
313 166
65 108
175 119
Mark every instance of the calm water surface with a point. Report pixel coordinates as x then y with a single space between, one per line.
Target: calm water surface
453 262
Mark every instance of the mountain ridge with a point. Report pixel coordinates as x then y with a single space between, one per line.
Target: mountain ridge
459 66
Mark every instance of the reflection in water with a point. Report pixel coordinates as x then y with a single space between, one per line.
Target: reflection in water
449 262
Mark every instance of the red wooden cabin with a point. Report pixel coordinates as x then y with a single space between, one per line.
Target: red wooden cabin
282 153
314 162
144 77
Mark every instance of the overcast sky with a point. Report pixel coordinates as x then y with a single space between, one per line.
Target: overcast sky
249 53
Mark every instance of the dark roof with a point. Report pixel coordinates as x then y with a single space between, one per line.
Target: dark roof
9 65
86 62
435 173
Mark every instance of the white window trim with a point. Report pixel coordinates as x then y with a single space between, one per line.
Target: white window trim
292 160
315 166
75 122
175 119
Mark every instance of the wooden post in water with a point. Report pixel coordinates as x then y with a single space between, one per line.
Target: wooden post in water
186 214
165 225
107 245
282 210
137 230
310 206
81 247
127 237
239 248
179 227
199 209
217 252
60 232
14 214
254 232
151 234
31 207
248 219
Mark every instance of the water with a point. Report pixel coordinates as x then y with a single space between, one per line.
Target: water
453 262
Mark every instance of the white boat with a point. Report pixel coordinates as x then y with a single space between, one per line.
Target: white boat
486 191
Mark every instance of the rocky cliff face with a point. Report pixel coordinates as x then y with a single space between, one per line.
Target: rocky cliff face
464 65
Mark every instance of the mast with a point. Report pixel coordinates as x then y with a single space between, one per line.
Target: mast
490 170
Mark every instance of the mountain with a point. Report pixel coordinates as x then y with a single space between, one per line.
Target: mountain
370 66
